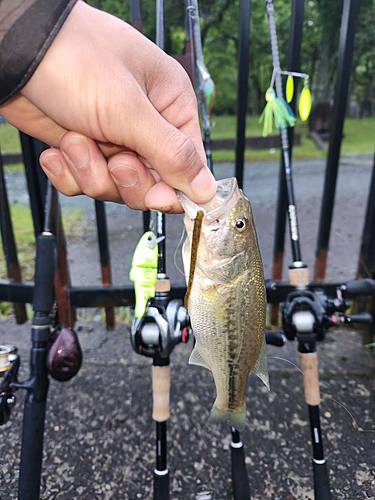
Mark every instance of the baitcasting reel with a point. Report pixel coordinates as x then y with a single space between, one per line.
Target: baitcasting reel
308 315
160 329
9 365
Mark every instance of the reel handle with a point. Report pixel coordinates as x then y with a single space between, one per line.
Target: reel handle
363 317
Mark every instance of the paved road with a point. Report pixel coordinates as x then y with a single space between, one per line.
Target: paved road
125 226
100 435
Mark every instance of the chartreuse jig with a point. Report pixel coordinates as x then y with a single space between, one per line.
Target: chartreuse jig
144 271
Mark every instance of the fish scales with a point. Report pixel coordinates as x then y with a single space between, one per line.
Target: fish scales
227 302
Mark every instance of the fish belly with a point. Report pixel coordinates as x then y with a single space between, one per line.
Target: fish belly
228 324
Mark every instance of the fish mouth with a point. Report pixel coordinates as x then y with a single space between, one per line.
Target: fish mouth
224 200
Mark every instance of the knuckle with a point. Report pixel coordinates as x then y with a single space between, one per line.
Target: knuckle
95 192
182 153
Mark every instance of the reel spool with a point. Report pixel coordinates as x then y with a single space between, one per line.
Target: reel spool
7 353
9 364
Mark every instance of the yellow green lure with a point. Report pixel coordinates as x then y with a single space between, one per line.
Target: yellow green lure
144 271
304 107
278 110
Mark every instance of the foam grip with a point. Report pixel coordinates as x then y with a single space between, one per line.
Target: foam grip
321 482
161 486
45 269
360 287
240 480
161 385
32 450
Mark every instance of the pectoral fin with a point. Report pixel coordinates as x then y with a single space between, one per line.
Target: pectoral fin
261 367
196 358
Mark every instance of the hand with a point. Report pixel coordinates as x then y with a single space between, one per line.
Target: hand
126 101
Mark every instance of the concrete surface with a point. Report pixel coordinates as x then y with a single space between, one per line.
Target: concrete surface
100 435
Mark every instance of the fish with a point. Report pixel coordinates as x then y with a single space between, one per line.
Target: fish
226 296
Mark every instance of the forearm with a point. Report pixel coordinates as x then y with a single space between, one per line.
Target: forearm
27 29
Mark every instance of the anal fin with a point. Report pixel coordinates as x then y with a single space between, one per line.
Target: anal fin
197 359
261 367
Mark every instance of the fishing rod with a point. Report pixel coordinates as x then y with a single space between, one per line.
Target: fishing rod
299 277
307 315
38 383
159 323
62 360
207 90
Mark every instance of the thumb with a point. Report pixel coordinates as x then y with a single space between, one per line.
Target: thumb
176 155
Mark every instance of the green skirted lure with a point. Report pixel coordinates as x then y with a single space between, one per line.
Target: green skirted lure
278 110
144 271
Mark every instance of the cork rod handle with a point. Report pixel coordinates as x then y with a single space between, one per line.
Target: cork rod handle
161 384
309 367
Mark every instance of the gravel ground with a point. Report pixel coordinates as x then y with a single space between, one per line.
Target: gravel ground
100 435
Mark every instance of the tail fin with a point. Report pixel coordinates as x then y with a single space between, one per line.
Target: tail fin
235 418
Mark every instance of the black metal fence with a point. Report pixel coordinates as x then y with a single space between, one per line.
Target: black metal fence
109 296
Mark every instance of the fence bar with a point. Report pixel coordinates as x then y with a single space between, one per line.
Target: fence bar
136 15
366 262
293 64
120 296
242 87
9 244
16 292
346 48
65 310
105 260
36 179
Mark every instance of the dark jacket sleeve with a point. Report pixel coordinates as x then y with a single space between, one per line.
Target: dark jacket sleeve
27 29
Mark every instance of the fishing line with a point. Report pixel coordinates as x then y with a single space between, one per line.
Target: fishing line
177 249
356 426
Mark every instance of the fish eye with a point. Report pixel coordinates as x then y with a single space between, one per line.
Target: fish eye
240 224
149 238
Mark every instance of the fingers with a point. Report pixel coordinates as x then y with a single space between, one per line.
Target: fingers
58 172
79 167
133 179
163 198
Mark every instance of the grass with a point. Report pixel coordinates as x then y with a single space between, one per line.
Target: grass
358 139
9 139
25 242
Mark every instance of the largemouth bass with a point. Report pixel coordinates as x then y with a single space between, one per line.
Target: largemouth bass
226 296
